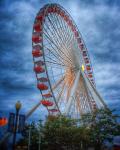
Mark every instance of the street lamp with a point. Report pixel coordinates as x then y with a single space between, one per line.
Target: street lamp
18 105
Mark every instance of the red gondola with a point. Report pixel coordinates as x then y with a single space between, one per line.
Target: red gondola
62 14
55 9
50 10
70 23
84 53
40 63
88 68
39 18
46 103
37 53
37 27
87 61
81 46
3 121
42 86
47 95
39 69
76 34
73 28
79 40
36 38
66 18
58 11
53 110
43 79
90 75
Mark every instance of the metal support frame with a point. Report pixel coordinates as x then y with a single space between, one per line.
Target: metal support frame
74 88
96 96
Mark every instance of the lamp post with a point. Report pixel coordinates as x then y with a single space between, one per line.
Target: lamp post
17 107
39 142
29 137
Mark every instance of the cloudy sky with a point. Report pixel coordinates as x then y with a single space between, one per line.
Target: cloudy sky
98 22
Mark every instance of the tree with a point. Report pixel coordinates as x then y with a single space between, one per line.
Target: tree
63 133
103 126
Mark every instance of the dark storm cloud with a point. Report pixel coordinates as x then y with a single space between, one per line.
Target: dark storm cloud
98 22
17 79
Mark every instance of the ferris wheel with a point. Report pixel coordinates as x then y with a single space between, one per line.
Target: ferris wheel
62 65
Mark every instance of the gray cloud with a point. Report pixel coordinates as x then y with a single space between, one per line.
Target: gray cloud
98 21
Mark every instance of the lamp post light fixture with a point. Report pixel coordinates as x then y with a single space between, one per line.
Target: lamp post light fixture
18 106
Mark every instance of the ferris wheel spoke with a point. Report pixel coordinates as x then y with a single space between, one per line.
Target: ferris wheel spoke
55 27
53 35
79 98
86 104
66 36
56 55
69 89
58 23
78 102
58 83
52 40
89 93
83 94
83 102
59 95
70 37
65 63
56 32
58 75
61 92
52 66
65 41
69 61
88 100
52 61
64 28
59 46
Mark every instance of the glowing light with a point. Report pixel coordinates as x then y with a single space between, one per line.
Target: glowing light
83 68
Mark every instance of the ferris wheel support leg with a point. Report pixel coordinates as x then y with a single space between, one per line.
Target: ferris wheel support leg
73 90
32 110
96 96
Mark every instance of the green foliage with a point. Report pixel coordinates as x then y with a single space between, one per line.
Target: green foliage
61 133
103 126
